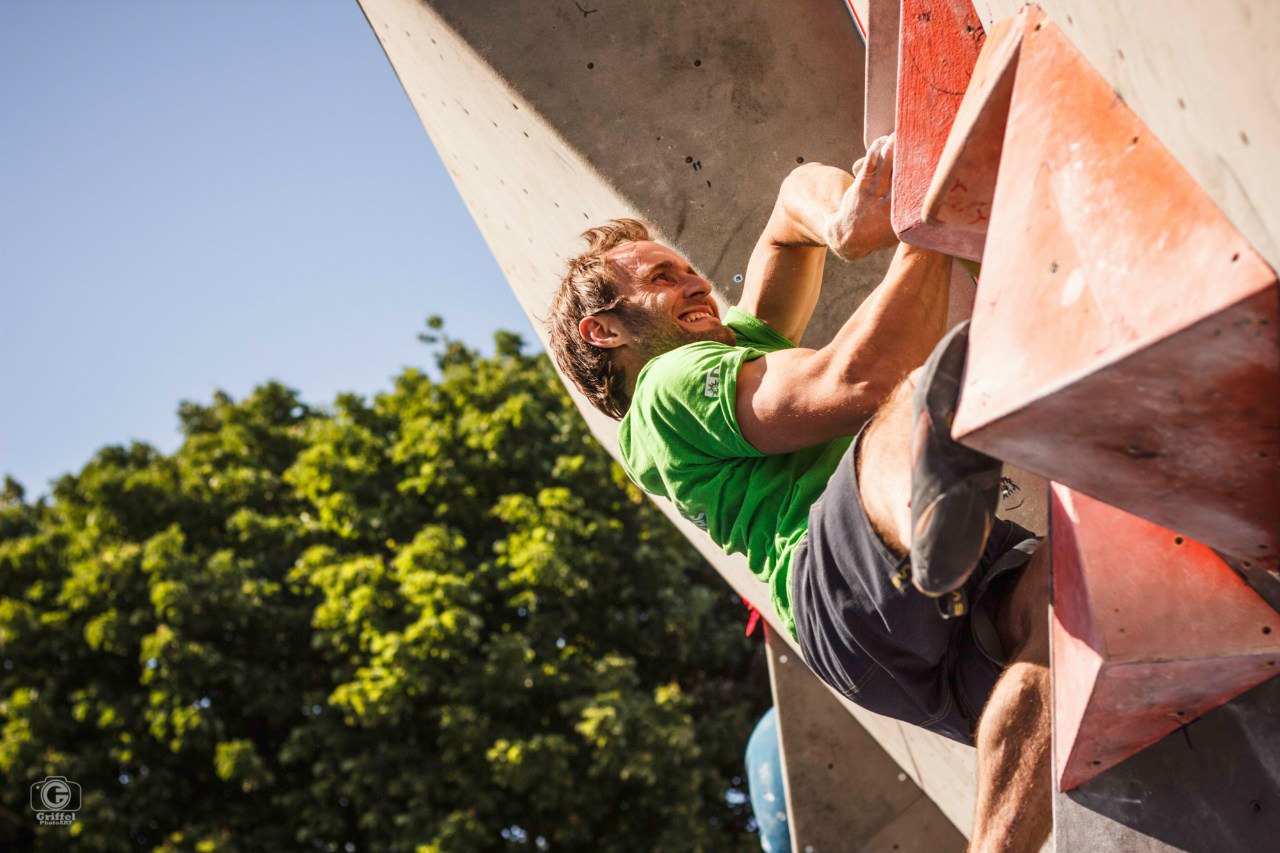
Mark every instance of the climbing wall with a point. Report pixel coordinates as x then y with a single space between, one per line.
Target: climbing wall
1123 199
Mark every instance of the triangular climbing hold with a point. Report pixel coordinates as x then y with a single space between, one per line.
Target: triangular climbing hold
1126 337
1150 631
964 183
939 42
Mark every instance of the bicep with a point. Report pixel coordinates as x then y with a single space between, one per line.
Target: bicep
793 399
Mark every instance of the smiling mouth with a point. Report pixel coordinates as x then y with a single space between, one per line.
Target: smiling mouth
697 314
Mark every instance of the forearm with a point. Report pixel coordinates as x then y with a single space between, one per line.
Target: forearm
900 322
797 398
784 275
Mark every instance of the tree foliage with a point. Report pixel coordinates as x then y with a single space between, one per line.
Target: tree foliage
440 621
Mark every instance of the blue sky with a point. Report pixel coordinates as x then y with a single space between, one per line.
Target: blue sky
203 195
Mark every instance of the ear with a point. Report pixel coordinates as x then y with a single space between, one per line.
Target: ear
603 331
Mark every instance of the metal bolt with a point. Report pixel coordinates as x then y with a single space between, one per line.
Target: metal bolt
737 279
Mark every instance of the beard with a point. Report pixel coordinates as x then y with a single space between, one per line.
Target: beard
656 334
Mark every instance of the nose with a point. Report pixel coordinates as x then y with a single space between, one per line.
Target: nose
695 285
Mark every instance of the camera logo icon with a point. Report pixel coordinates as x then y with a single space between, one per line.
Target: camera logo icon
55 800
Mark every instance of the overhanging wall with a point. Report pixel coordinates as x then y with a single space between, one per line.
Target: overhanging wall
552 117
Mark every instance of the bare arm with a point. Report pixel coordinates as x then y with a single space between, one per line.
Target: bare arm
791 399
818 208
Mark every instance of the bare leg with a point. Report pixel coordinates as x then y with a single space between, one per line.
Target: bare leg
1015 790
1014 811
884 468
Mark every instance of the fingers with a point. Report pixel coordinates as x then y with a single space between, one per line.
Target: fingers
871 162
884 178
876 174
880 151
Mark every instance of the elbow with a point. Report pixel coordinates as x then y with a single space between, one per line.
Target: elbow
799 182
803 172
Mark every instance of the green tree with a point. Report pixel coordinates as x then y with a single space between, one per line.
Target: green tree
437 621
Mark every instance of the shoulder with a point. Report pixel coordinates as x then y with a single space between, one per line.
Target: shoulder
686 397
685 368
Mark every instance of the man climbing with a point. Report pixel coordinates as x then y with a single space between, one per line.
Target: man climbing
833 469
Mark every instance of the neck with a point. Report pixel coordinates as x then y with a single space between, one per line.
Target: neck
627 360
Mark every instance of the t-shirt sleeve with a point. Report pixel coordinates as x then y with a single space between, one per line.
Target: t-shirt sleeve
688 397
753 332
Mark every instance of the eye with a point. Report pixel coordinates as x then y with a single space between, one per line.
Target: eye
665 276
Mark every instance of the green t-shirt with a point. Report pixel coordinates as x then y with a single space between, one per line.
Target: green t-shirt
680 440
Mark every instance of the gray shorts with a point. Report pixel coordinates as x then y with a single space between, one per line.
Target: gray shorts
890 650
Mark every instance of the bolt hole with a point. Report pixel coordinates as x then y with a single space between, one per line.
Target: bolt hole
831 767
1178 540
1255 807
697 63
590 65
688 159
1266 629
799 159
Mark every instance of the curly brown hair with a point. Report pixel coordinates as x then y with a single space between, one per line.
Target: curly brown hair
587 289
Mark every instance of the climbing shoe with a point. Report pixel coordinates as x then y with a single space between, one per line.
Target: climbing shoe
954 490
